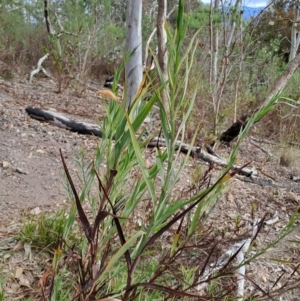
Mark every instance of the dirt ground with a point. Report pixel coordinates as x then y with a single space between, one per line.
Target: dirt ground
31 169
31 174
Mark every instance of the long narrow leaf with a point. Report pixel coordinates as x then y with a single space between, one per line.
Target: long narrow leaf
82 217
141 162
129 243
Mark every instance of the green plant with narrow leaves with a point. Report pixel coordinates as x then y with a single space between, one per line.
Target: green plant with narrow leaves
43 231
138 234
1 289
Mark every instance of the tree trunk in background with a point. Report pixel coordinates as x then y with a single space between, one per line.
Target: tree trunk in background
223 35
214 54
233 131
162 48
295 33
134 66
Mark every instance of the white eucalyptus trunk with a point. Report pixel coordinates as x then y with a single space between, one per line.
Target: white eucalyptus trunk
162 48
295 33
214 55
134 66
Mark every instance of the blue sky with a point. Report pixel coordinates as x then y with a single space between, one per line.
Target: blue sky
250 3
255 3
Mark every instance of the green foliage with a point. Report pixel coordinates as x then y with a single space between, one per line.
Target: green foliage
137 230
43 232
273 28
115 32
63 290
17 33
1 288
200 17
84 32
123 252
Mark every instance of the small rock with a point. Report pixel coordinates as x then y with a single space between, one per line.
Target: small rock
5 164
40 151
27 249
35 211
264 279
21 171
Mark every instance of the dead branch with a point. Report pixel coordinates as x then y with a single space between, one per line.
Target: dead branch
233 131
261 148
62 29
262 140
95 130
151 37
238 249
47 18
198 152
40 68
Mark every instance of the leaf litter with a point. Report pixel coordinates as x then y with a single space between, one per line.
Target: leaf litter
32 146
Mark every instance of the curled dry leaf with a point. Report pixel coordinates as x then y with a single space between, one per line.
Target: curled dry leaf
44 278
18 272
24 281
27 249
18 246
107 94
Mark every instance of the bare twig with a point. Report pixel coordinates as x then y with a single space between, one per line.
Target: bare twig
151 37
47 18
238 249
40 67
62 30
262 140
261 148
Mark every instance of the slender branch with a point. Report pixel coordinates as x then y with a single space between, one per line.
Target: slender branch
47 18
282 81
152 35
62 29
40 68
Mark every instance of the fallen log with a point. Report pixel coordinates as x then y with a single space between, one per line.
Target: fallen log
95 130
64 122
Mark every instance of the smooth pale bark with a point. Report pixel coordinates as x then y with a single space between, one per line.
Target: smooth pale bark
295 33
223 35
134 66
162 49
214 54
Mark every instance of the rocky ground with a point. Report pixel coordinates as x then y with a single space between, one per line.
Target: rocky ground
31 181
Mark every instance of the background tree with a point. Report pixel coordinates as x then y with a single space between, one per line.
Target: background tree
236 61
133 48
278 28
162 48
